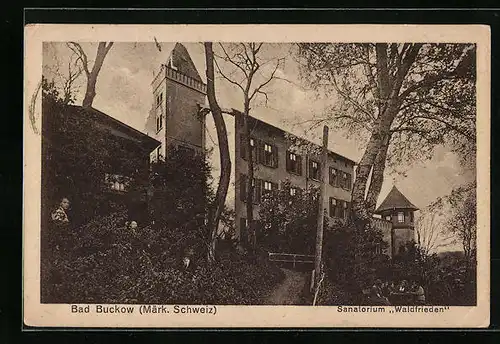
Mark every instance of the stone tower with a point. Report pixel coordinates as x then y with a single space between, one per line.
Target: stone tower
397 209
178 91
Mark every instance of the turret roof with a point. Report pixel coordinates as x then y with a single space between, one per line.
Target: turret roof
395 200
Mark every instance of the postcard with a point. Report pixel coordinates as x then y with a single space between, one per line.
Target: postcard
263 176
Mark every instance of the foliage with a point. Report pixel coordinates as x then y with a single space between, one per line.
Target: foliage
106 262
288 223
433 86
331 294
354 258
446 282
77 155
181 196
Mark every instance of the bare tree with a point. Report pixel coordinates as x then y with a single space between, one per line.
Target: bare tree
225 160
416 95
431 232
91 73
245 69
463 220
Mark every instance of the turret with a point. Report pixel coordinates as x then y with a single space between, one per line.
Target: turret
397 209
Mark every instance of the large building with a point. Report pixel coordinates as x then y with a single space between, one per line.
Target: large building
276 160
178 93
397 221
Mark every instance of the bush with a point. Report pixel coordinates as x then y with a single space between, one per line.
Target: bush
330 294
105 262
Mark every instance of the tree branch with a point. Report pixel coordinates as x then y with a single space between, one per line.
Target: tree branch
77 49
258 89
219 70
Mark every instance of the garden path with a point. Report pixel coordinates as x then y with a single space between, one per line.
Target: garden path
288 292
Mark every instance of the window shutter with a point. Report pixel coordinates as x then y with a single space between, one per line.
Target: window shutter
257 190
275 186
288 161
256 151
330 176
259 148
275 156
243 187
243 230
243 146
299 164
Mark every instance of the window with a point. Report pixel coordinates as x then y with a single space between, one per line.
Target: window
256 184
411 216
268 186
345 181
314 172
159 121
158 152
293 191
378 249
243 148
333 207
333 179
116 182
270 155
294 163
159 99
401 217
338 208
388 217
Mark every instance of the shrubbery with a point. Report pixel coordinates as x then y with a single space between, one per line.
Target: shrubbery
104 262
331 294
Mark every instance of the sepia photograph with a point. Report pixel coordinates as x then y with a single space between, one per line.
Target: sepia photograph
198 174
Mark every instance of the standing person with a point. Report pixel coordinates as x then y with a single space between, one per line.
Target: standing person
58 235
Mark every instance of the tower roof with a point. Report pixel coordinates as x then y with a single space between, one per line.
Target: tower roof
395 200
180 60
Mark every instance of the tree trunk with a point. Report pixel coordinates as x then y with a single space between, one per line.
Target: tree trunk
250 186
377 175
225 175
359 210
90 93
390 91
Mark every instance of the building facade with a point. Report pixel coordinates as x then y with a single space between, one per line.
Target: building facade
94 160
276 159
178 93
397 221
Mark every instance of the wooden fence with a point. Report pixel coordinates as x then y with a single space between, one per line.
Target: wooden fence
291 258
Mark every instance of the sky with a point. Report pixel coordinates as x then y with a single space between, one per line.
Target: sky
124 92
